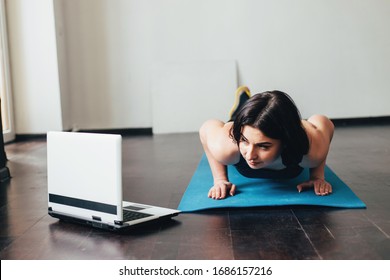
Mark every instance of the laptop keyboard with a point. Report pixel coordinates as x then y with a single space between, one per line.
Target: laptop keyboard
133 215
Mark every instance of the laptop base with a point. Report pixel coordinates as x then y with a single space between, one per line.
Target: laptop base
103 226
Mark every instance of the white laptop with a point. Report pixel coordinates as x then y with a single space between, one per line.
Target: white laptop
85 182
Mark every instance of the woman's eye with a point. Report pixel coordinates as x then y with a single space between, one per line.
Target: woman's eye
264 148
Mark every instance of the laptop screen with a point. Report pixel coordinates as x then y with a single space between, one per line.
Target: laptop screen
85 174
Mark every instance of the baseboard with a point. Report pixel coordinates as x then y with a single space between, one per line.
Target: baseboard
29 137
122 131
384 120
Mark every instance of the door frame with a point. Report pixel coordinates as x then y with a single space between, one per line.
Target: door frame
5 80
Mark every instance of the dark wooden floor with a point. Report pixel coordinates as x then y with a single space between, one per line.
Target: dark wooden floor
157 170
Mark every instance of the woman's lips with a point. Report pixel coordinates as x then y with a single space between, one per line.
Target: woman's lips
254 163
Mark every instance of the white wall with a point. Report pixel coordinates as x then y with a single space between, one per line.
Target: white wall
184 95
34 68
106 46
332 56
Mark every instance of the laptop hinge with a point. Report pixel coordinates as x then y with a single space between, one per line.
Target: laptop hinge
95 218
119 223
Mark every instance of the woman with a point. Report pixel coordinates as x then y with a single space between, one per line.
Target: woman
267 139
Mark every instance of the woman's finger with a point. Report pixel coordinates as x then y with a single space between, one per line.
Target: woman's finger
304 185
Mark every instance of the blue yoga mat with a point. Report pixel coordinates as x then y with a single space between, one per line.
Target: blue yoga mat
264 192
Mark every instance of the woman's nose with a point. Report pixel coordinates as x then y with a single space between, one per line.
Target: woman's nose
251 154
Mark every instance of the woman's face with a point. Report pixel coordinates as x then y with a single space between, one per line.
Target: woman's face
258 150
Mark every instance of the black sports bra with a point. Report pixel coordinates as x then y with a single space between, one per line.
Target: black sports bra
291 171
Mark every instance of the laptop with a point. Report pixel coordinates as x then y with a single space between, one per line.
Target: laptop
85 183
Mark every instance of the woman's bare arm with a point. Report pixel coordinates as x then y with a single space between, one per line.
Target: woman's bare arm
220 151
320 132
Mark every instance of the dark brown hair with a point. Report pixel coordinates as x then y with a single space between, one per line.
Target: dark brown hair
275 114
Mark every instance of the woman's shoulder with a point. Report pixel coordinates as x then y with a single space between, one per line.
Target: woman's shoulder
321 123
229 151
319 130
219 141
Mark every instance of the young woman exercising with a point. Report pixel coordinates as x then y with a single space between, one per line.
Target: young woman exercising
266 138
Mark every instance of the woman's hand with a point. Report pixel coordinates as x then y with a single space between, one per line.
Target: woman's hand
221 189
321 187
